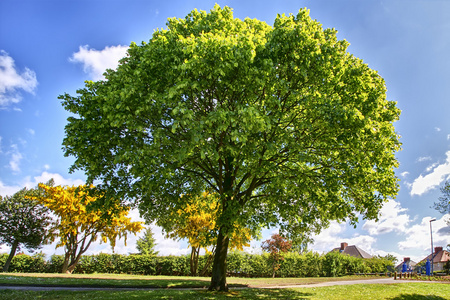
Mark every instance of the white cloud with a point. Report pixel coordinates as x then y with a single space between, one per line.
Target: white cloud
31 131
31 183
11 81
8 190
329 238
59 180
16 157
448 137
439 173
392 218
437 129
418 236
404 174
96 62
431 167
424 158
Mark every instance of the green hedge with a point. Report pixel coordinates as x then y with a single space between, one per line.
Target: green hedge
241 264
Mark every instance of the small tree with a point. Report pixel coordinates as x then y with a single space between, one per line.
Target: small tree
23 222
276 245
82 218
146 244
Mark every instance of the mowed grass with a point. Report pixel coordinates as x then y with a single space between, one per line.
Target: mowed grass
241 288
123 280
401 291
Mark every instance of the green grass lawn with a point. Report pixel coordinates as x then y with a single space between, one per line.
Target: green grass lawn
403 291
123 280
400 291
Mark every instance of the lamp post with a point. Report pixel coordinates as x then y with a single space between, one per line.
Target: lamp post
432 249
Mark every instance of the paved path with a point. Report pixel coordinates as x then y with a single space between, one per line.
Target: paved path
349 282
322 284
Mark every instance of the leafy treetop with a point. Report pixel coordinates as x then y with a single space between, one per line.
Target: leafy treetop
280 121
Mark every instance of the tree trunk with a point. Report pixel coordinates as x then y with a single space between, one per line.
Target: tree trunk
11 255
208 263
194 260
73 265
66 264
219 269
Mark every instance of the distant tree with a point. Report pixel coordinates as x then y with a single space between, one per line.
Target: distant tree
147 243
390 258
443 203
276 245
282 122
23 222
81 219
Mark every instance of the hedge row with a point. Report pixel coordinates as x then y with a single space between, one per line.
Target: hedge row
238 263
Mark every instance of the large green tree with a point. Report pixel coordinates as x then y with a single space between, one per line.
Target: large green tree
280 121
23 222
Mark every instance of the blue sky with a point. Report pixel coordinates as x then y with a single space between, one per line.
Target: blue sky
50 47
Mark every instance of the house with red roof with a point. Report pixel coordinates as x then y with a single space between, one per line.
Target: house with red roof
439 258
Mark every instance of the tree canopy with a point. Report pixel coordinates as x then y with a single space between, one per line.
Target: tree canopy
23 222
280 121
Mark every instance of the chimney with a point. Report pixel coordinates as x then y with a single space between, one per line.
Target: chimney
343 246
437 249
406 259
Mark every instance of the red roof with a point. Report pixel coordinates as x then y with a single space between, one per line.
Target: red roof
441 256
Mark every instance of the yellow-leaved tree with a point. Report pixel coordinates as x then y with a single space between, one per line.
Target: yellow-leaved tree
196 220
81 220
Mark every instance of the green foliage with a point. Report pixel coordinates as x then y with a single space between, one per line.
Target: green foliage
23 222
146 244
240 264
447 267
280 121
23 263
54 265
443 204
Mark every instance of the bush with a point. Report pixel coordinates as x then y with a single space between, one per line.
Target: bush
24 263
172 265
239 263
54 265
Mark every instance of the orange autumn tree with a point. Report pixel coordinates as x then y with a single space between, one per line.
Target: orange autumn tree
276 245
196 220
81 220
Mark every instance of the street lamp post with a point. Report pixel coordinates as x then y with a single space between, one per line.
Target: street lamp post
432 249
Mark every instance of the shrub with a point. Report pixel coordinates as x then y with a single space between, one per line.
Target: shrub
54 265
24 263
309 264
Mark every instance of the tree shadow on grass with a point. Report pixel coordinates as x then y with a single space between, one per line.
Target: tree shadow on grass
269 294
416 297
